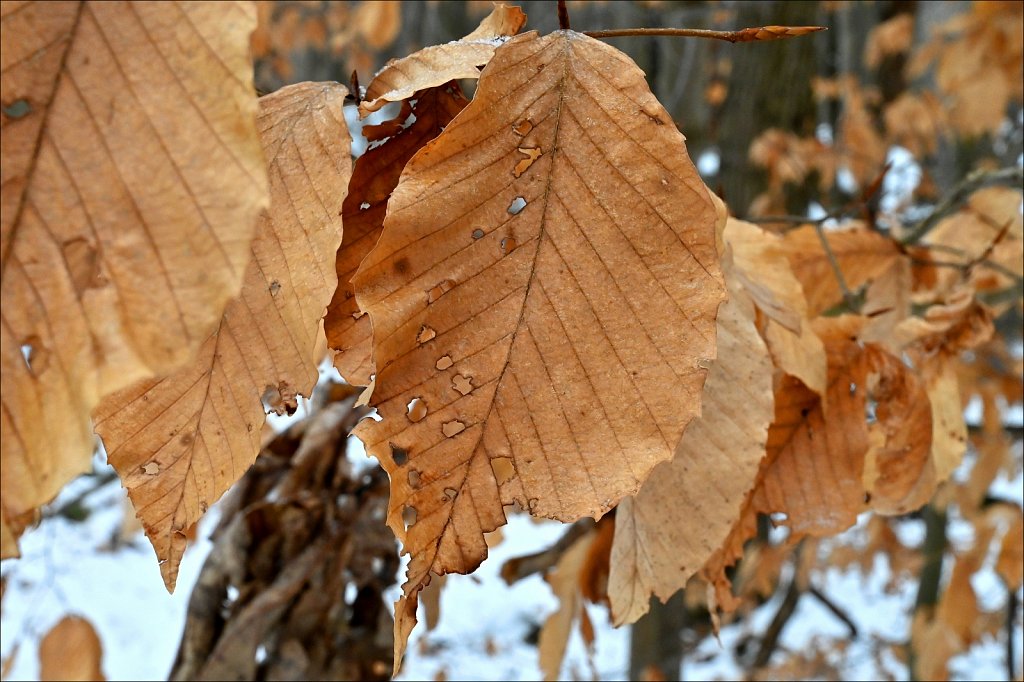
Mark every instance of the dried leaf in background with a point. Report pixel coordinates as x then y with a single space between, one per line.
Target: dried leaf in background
125 230
862 255
179 442
373 179
548 342
71 650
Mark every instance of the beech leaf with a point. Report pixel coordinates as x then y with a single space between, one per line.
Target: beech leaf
179 442
687 507
862 255
373 179
125 228
436 65
822 469
764 271
576 301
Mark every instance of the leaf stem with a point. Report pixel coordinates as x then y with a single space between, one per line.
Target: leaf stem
848 297
745 35
563 16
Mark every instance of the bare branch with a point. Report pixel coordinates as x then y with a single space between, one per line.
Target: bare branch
745 35
973 182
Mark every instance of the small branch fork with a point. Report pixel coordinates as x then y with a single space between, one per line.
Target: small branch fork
744 35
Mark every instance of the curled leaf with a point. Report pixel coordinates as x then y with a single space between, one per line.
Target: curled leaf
436 65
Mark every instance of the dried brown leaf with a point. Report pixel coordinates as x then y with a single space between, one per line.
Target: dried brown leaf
71 650
688 506
565 583
436 65
899 471
592 292
132 178
862 254
764 271
180 442
373 179
813 476
378 22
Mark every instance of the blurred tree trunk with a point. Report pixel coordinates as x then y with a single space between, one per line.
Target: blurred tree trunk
656 641
769 87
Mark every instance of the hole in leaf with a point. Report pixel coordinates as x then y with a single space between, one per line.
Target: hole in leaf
444 362
34 354
151 469
399 455
426 333
416 410
522 127
274 287
440 290
517 205
462 384
452 428
363 206
26 355
451 493
409 516
478 233
17 109
414 478
503 469
532 154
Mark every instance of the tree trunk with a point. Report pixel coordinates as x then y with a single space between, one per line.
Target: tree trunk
656 641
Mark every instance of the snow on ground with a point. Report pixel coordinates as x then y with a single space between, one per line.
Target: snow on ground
484 624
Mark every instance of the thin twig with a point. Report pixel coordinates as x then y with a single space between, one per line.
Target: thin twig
63 510
960 194
788 219
836 611
770 640
1011 626
745 35
848 297
563 16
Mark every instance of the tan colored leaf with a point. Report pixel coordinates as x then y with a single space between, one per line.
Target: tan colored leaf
862 254
378 22
887 303
71 651
565 583
582 317
180 442
813 475
687 507
132 178
1010 562
934 342
436 65
764 271
432 600
373 179
988 229
899 471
